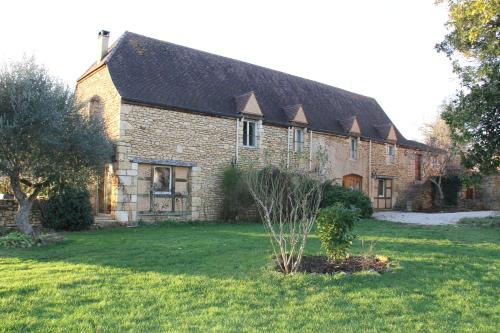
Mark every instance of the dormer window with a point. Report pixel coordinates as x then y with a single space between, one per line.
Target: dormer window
391 154
299 140
250 133
353 151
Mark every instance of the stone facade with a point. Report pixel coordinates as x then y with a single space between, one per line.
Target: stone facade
199 147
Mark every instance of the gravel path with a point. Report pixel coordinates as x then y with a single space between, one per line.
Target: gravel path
429 218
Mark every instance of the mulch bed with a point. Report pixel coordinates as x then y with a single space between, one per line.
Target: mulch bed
351 264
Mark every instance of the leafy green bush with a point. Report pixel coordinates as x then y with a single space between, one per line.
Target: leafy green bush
335 225
238 203
68 209
15 239
335 193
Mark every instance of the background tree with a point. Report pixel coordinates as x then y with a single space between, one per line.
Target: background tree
473 46
45 139
441 158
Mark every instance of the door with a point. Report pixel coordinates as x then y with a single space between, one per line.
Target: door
383 193
418 167
352 181
104 191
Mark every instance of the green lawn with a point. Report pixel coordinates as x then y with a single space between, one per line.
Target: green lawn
215 277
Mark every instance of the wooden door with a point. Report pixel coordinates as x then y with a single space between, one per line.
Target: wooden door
352 181
383 194
418 167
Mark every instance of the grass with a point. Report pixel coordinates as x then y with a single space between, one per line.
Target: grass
490 221
215 277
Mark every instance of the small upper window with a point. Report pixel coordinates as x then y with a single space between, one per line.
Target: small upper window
391 154
162 182
250 136
353 155
299 140
381 188
95 107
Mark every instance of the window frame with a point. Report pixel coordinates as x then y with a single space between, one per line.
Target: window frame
155 192
391 159
246 136
381 180
299 144
353 153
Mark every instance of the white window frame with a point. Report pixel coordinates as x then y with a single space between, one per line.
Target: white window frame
383 188
256 133
169 179
299 142
353 153
391 159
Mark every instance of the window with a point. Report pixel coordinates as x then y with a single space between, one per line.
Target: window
391 154
299 140
354 149
95 107
381 188
162 181
250 134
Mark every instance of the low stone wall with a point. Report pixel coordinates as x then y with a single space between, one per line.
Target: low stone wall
8 209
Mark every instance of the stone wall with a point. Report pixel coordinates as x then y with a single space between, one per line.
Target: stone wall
209 142
158 134
8 209
100 85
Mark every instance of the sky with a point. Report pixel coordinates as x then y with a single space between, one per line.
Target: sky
383 49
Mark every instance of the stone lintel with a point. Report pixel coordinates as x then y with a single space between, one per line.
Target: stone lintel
164 162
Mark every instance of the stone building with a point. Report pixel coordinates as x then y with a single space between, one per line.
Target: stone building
179 116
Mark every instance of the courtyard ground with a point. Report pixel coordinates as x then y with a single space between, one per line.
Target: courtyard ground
216 277
431 218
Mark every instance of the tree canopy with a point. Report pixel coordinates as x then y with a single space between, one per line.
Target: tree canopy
473 46
45 138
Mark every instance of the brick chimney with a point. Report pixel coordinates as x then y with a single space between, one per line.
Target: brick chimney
102 44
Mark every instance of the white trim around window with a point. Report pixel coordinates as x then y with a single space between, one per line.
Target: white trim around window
299 140
391 154
162 179
353 148
250 134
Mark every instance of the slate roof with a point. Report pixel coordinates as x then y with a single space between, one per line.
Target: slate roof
157 73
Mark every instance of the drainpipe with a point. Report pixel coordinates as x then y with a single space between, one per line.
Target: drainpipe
288 148
310 149
237 138
370 181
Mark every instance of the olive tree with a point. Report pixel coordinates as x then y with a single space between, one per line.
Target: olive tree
45 138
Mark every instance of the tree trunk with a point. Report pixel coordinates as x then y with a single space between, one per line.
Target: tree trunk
23 217
441 196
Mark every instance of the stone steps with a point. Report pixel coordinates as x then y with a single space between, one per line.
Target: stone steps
105 221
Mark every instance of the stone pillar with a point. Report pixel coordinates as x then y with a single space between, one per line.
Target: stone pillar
196 207
126 188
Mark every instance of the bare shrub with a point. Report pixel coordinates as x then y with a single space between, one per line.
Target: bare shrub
288 202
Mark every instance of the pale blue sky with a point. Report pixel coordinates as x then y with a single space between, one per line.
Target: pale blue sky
383 49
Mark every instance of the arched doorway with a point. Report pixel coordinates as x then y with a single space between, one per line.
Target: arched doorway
353 181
